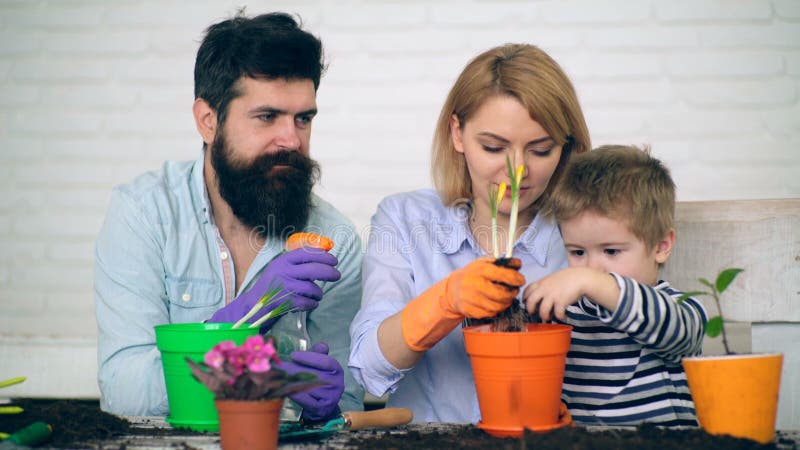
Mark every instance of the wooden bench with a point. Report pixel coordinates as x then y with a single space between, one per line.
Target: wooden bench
763 304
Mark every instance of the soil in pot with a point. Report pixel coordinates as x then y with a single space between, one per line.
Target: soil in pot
512 319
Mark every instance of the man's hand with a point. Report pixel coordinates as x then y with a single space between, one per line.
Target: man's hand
295 273
320 403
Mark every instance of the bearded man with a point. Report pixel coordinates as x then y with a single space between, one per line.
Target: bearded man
203 240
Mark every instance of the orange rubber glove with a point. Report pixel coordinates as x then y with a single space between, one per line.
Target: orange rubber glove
478 290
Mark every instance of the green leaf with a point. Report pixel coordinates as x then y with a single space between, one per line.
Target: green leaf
714 327
686 295
726 277
705 282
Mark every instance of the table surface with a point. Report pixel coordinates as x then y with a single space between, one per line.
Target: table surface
785 439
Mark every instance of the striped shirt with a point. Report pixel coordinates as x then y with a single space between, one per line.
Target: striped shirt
624 368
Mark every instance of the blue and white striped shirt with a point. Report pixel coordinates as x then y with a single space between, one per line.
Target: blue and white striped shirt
624 368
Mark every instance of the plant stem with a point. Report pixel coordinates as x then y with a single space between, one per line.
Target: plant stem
724 335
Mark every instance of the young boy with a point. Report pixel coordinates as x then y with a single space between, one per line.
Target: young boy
615 207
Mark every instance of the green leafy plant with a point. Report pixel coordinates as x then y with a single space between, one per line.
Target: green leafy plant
716 325
6 383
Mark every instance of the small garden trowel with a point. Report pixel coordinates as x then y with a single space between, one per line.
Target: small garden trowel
352 420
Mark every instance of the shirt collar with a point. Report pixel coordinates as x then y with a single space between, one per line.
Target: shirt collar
535 240
199 191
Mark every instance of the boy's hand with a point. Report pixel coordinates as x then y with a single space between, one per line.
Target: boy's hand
552 294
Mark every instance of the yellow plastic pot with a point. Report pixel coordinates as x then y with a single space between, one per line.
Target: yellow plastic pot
736 394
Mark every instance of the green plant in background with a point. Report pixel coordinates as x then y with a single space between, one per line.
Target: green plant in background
11 409
716 325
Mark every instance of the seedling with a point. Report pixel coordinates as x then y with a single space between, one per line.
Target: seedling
716 325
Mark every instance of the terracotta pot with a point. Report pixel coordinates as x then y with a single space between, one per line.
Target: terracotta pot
248 425
736 394
518 376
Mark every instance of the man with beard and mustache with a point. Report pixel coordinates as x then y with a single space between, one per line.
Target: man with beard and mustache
203 240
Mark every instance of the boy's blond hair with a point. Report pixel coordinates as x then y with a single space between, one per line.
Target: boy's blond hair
623 183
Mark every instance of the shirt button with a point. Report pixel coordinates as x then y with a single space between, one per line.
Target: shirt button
186 297
223 255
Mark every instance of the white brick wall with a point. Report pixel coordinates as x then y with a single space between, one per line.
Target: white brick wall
94 92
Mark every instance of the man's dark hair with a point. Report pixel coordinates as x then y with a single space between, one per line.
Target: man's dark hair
271 46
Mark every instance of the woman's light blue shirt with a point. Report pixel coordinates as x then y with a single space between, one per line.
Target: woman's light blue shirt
414 242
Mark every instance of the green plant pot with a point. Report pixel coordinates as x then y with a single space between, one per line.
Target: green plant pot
191 404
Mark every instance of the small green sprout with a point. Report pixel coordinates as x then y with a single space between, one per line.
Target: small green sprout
268 298
11 409
495 197
515 177
716 325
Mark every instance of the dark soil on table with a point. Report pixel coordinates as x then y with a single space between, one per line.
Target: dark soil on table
82 421
646 437
73 421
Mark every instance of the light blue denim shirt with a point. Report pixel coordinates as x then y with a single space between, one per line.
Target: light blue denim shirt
414 242
160 259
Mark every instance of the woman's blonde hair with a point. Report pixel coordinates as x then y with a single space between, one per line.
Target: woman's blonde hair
527 74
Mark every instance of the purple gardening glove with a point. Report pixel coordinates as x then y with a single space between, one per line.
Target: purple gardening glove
294 272
320 403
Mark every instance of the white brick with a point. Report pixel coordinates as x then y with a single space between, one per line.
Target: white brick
778 92
19 43
758 151
361 68
96 42
96 95
76 303
784 122
703 64
177 41
5 225
78 253
589 12
426 41
650 93
63 173
481 14
640 38
710 123
787 9
611 65
59 69
51 122
152 121
15 95
375 16
338 42
793 63
166 14
20 149
17 200
17 302
545 37
21 251
53 15
613 121
749 36
57 224
703 10
178 71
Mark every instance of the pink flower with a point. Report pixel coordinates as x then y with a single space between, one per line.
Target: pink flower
258 364
214 358
254 344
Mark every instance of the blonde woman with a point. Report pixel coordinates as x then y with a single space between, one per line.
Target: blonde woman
423 272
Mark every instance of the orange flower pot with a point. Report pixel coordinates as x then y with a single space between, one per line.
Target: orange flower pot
518 376
736 394
249 425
